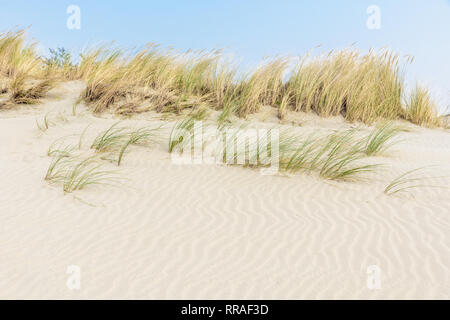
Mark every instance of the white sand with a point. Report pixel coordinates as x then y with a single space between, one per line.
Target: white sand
216 232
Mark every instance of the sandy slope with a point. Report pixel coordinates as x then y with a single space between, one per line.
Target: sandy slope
206 231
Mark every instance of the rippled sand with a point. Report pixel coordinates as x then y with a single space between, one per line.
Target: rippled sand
217 232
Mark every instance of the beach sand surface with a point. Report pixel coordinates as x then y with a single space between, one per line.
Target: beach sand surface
213 231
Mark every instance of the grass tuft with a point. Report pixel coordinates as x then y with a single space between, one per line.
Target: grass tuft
117 139
87 172
75 174
365 87
58 148
21 94
139 136
180 131
407 181
380 139
421 109
46 123
336 156
111 139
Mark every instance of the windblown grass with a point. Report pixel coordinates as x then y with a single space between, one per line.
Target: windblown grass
110 139
56 171
263 87
49 120
88 172
407 181
421 109
75 174
46 123
360 87
340 161
17 58
138 137
181 132
336 157
21 94
300 152
166 80
380 139
80 140
22 68
58 147
117 139
229 108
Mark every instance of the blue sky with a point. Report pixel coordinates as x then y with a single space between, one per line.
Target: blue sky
251 29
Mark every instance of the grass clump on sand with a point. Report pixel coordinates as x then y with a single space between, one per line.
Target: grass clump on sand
137 137
87 172
76 174
336 156
407 181
46 123
21 69
380 139
23 94
58 148
181 133
110 139
359 87
57 169
166 80
421 109
262 87
117 139
17 58
75 171
338 159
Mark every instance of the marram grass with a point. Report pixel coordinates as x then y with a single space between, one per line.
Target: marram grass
87 172
140 136
110 139
381 138
336 156
181 130
75 173
408 181
22 70
421 109
359 87
116 139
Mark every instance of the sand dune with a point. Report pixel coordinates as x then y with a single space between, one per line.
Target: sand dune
216 232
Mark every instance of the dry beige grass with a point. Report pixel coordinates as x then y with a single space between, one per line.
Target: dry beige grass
364 88
421 109
360 87
21 71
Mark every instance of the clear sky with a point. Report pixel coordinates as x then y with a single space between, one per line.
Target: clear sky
251 29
